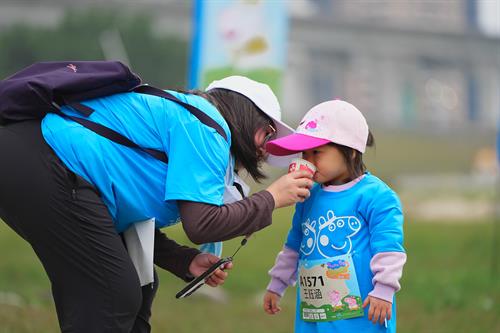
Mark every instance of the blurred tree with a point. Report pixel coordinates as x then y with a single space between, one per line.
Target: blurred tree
159 60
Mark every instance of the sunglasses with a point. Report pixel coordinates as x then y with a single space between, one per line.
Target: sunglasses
269 135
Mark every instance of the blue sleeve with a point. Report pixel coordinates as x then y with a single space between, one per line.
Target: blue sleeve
295 234
198 158
385 222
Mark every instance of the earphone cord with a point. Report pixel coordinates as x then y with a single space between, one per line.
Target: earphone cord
243 242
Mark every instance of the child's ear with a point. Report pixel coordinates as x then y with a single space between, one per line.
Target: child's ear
353 154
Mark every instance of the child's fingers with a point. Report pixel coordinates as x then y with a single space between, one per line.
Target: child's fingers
376 315
389 313
371 309
275 305
383 315
366 302
271 304
267 306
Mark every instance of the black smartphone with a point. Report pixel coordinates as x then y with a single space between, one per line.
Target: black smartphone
192 286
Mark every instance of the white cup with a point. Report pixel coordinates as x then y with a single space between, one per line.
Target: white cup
301 164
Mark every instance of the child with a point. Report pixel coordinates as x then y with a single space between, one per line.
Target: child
346 240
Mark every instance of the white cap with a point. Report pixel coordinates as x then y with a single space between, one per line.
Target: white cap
264 98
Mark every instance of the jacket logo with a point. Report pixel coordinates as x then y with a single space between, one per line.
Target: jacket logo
72 67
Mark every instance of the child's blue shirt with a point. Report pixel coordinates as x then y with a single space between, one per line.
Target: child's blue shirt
363 220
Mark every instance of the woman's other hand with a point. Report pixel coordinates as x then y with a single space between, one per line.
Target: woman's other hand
204 261
291 188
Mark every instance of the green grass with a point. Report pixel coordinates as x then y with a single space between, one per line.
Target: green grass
447 285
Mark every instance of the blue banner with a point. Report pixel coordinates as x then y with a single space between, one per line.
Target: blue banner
242 37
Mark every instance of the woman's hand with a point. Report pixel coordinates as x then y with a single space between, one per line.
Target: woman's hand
272 303
291 188
379 309
204 261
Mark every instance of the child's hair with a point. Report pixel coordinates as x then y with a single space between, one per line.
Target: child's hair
355 165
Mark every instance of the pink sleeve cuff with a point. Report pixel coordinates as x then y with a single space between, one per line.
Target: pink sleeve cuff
277 286
387 269
383 291
284 271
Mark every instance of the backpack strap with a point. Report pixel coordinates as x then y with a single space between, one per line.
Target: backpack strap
119 138
113 135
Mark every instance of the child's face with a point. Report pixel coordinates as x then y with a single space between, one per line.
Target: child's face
330 164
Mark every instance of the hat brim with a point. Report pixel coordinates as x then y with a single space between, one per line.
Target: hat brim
294 143
282 130
281 161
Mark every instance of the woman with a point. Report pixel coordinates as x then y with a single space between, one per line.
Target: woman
72 193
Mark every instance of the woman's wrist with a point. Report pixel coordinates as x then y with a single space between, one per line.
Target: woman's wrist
269 198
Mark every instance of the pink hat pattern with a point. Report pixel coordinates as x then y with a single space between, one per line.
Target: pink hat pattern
312 125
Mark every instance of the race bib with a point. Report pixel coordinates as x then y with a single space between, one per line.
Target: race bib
329 289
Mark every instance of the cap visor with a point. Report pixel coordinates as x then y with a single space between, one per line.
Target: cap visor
294 143
281 161
282 130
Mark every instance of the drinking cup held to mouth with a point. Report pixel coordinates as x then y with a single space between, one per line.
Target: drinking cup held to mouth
301 164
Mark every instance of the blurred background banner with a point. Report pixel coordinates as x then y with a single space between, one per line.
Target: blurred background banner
244 37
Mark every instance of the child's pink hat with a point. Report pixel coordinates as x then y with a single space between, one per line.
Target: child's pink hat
333 121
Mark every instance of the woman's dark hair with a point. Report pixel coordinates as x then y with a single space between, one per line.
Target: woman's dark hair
244 118
353 158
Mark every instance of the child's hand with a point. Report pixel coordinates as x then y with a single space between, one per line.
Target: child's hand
272 303
379 309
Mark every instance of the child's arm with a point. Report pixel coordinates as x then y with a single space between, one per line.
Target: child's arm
387 269
385 219
284 271
283 274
